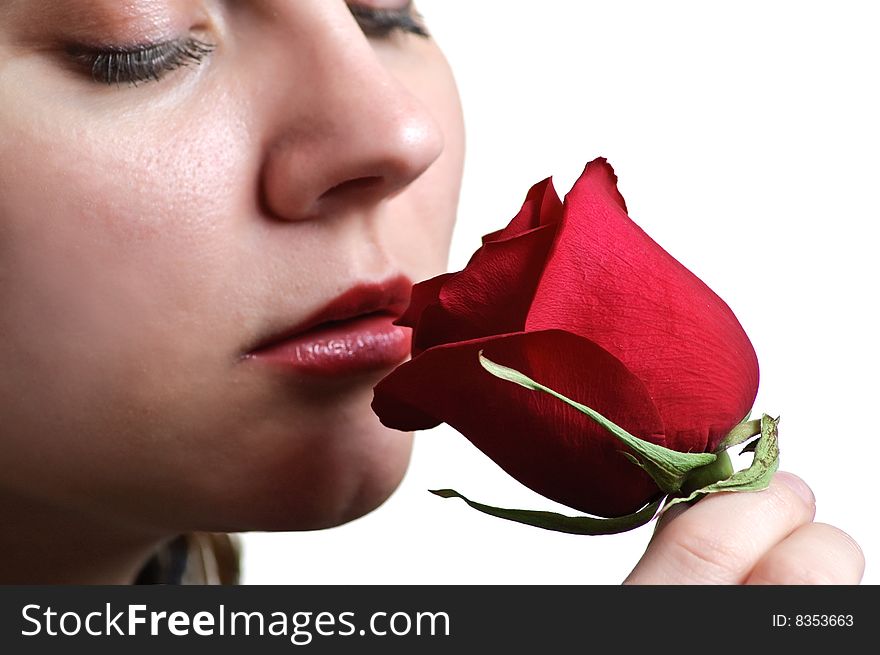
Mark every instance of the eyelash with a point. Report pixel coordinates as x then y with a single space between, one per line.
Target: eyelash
143 63
116 65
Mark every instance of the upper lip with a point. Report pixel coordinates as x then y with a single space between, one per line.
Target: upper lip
390 296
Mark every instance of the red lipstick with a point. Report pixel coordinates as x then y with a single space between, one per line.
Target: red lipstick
351 334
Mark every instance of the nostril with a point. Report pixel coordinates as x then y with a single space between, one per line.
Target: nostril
355 185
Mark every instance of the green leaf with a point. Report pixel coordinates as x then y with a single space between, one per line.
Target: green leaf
743 431
667 467
754 478
587 525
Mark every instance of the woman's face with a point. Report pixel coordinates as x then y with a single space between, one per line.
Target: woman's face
153 231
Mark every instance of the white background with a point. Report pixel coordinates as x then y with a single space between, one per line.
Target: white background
745 136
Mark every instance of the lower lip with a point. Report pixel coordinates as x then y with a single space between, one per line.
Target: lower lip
356 346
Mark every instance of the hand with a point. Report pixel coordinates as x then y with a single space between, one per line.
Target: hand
765 537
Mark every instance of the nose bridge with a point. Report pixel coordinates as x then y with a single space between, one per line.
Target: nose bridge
349 130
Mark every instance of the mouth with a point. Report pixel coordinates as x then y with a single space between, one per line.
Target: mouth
352 333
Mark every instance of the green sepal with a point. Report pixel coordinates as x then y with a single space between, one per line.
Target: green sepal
742 431
754 478
585 525
720 469
667 467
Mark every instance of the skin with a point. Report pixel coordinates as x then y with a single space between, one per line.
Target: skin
150 235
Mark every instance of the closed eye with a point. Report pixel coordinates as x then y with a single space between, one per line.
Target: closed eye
142 63
381 23
131 65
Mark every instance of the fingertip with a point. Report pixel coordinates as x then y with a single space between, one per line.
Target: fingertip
798 486
850 542
814 554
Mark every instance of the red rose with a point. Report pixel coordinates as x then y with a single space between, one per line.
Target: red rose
577 297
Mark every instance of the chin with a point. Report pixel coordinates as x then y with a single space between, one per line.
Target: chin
334 486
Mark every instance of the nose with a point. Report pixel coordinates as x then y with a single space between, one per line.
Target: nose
348 134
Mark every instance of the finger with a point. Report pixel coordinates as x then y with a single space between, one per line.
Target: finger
668 515
720 539
815 553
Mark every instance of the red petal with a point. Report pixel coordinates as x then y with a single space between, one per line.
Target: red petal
491 296
610 282
541 207
423 294
494 291
542 442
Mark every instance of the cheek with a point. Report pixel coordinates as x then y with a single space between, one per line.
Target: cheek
126 267
112 259
130 219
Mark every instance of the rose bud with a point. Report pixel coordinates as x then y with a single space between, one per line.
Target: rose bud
578 298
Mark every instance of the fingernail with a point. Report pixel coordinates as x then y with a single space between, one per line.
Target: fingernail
798 486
